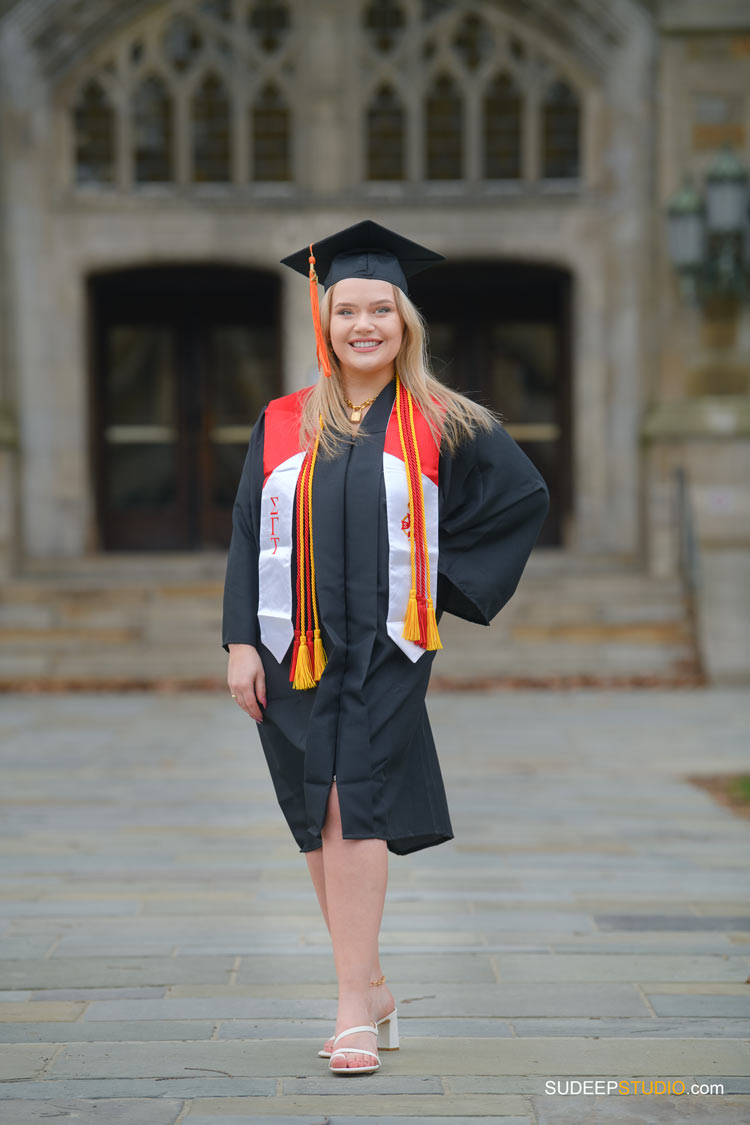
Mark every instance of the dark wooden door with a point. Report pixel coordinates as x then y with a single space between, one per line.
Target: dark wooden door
184 360
500 333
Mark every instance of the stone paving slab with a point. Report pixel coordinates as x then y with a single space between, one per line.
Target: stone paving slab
698 988
737 1007
638 1110
620 967
24 1060
424 1056
151 1031
409 1026
166 1086
351 1106
128 1111
678 1028
106 971
401 966
590 917
335 1119
669 922
36 1009
502 1000
529 1085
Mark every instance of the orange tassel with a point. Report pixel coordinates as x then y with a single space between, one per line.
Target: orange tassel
411 622
319 656
433 637
324 363
303 677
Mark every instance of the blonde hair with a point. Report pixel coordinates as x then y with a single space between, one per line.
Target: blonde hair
451 416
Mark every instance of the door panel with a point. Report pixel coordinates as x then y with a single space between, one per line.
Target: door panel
184 360
500 335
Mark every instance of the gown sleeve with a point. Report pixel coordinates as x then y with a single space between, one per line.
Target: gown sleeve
240 616
493 502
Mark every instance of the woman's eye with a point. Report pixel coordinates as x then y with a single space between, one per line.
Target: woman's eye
385 309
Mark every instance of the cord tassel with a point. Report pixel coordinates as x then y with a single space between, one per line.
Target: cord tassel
433 637
309 657
429 638
324 363
303 677
411 621
319 656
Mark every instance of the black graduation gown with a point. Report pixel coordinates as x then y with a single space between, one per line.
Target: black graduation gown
366 723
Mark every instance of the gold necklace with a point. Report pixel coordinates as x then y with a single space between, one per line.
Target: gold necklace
357 410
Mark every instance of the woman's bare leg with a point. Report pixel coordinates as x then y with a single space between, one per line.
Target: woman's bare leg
318 876
356 876
382 998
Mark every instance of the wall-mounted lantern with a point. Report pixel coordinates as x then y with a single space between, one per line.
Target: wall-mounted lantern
709 236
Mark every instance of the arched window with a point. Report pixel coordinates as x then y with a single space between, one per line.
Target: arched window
443 121
561 117
211 116
187 75
271 136
153 131
462 80
502 129
94 136
385 136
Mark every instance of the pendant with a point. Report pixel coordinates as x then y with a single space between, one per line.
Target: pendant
357 414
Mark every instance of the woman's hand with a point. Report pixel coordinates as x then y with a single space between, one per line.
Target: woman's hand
246 679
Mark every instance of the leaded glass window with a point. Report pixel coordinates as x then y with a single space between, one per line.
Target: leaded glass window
153 131
211 132
385 136
502 129
270 136
196 92
477 99
560 133
94 136
443 121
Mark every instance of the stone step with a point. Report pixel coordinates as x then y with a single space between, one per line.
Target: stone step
141 618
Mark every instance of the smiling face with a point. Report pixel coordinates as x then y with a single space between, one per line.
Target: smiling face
365 326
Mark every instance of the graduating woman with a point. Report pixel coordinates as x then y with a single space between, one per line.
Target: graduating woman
369 504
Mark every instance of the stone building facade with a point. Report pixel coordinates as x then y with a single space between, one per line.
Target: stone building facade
158 158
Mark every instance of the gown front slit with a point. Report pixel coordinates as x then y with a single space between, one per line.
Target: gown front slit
366 722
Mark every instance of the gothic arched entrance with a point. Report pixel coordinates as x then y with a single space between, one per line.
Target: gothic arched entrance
500 332
184 358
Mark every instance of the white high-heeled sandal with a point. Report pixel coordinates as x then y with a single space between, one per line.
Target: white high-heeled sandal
387 1027
370 1068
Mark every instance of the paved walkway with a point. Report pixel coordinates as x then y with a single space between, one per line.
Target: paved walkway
163 959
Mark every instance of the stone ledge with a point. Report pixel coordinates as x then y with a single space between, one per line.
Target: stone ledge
716 417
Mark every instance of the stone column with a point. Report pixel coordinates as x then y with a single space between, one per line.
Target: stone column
9 516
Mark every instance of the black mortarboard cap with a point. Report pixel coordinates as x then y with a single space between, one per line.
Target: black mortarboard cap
364 250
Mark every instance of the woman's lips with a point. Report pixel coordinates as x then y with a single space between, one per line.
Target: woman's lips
365 345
